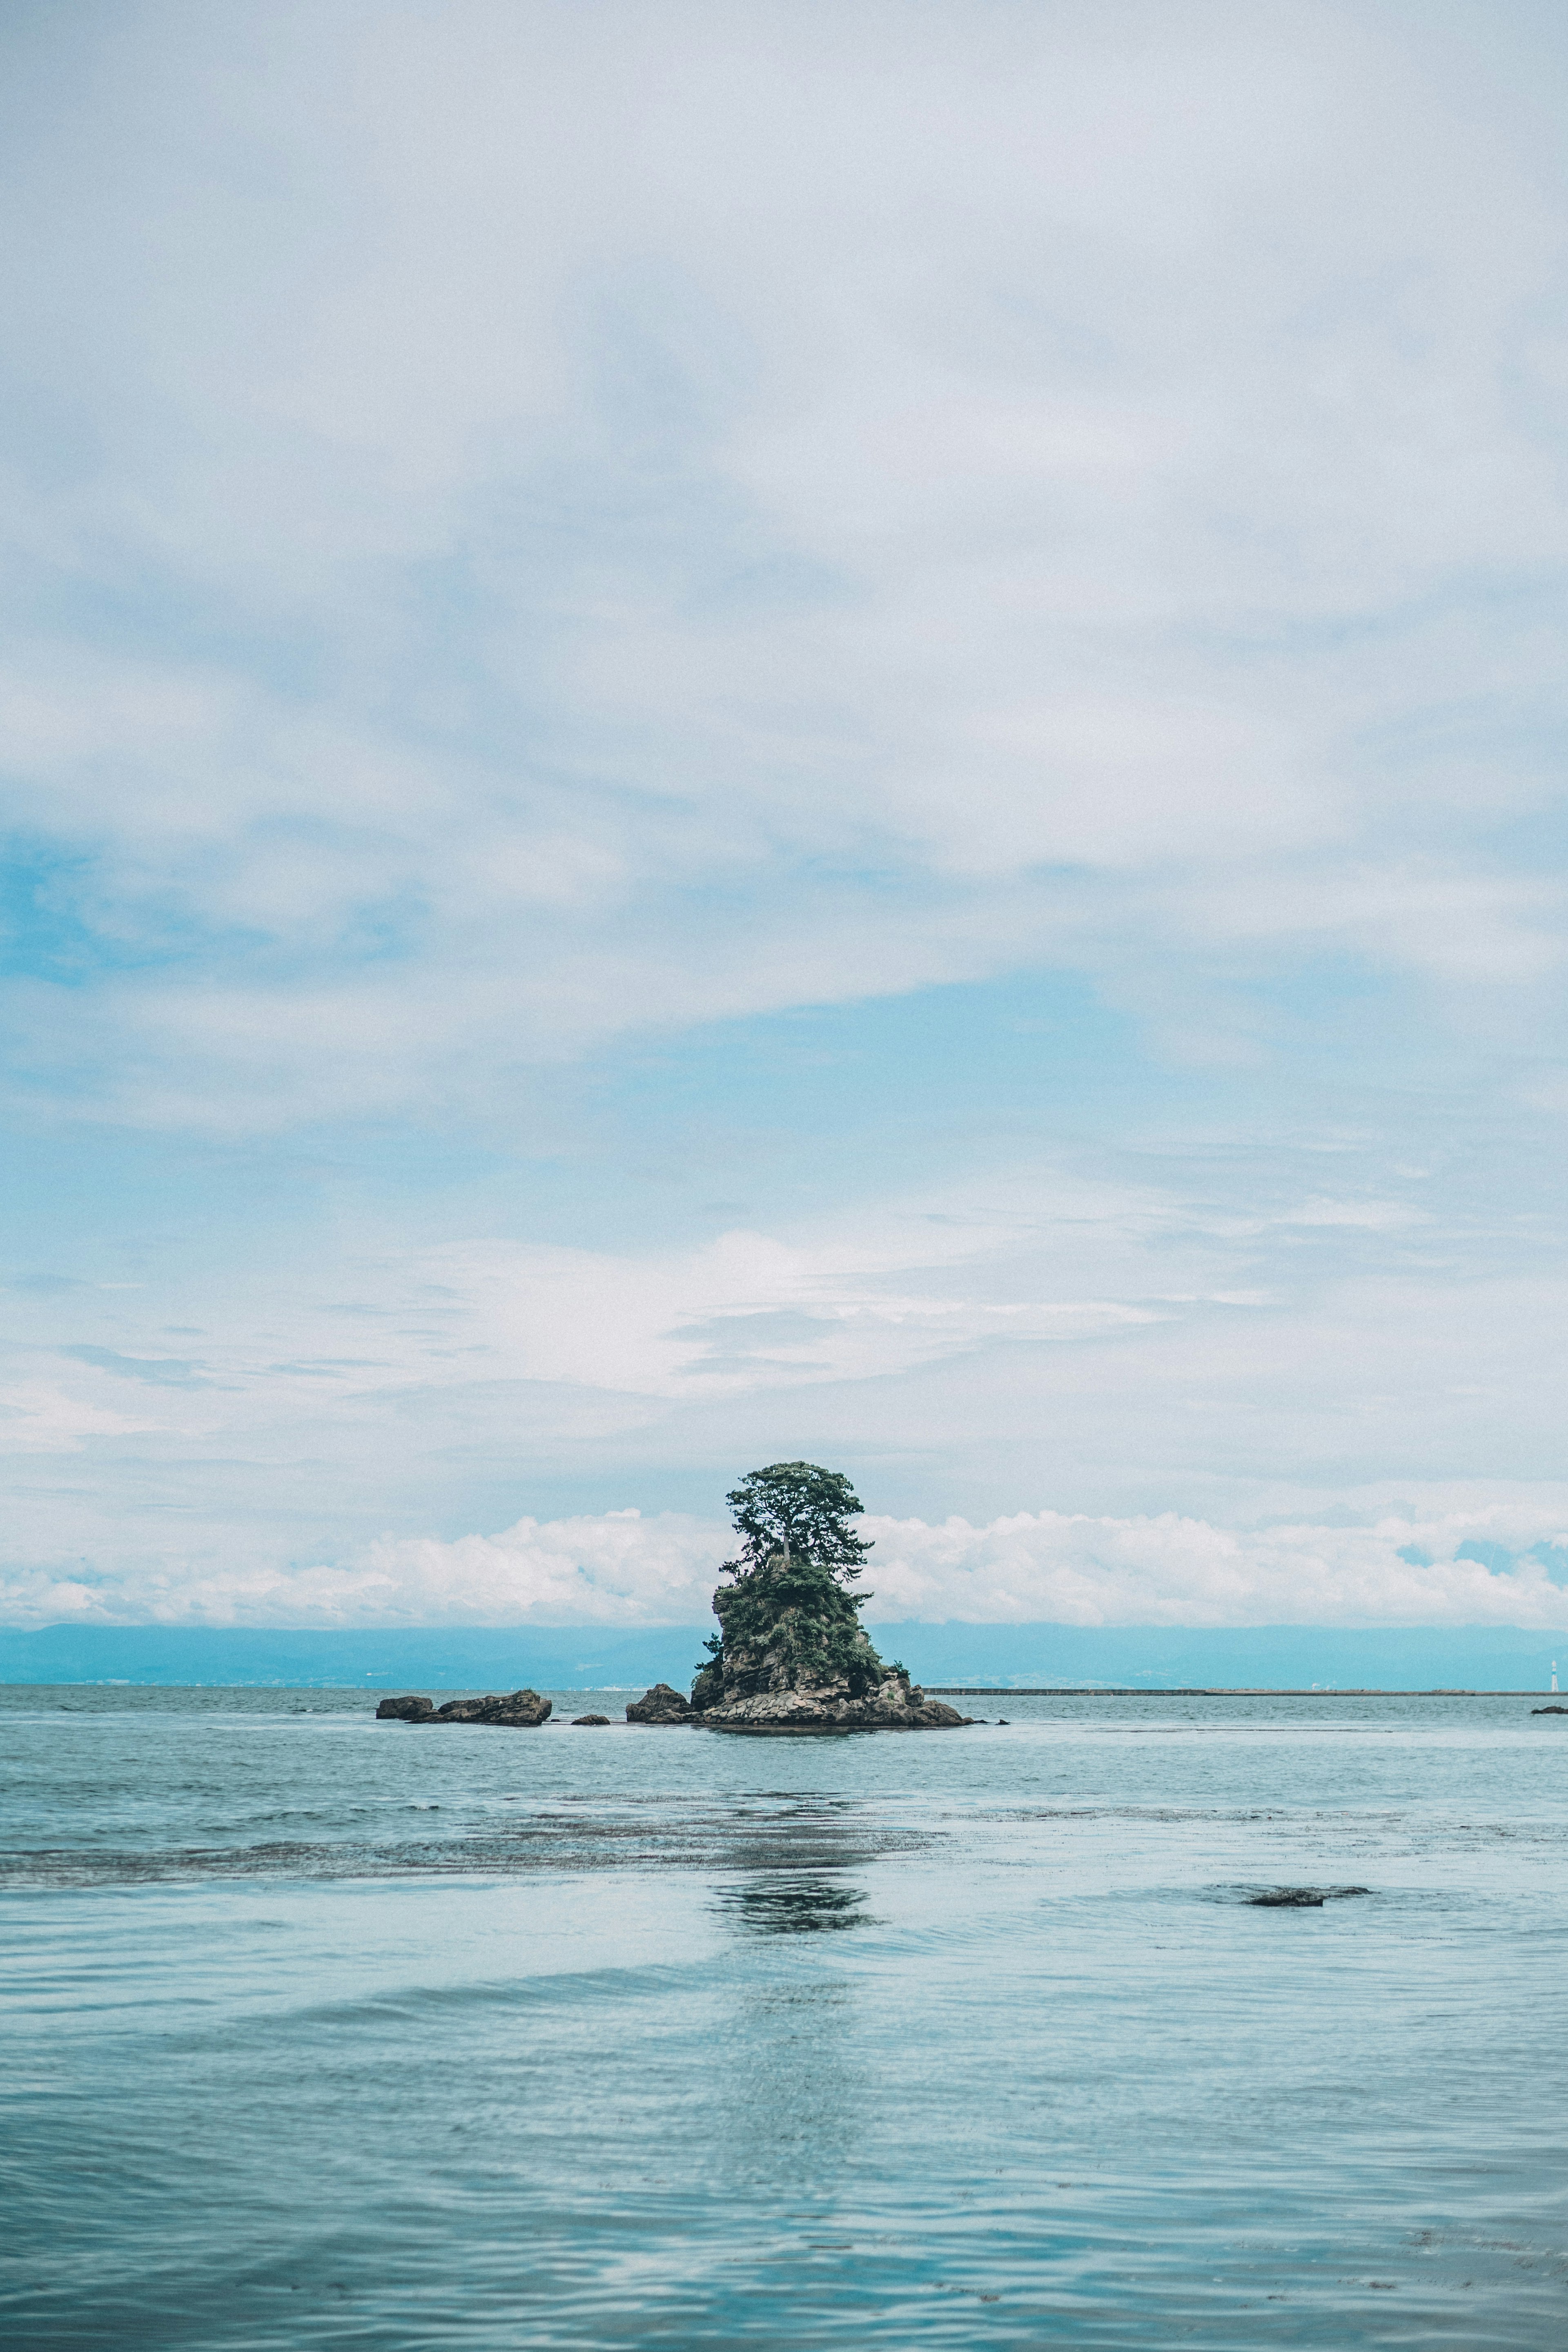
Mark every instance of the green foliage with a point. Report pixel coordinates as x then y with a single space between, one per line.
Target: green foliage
787 1602
798 1614
801 1508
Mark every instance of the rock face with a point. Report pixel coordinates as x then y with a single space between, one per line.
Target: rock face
521 1710
403 1710
892 1703
796 1658
659 1706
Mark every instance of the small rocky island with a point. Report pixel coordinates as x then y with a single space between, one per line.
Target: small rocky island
791 1656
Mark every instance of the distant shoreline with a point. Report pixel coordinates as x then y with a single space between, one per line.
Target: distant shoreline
1208 1690
934 1690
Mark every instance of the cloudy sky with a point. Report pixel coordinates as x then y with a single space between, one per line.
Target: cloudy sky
731 732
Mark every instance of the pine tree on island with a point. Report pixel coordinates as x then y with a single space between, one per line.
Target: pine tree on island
791 1654
790 1596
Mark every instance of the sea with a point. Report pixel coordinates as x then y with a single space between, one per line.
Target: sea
322 2032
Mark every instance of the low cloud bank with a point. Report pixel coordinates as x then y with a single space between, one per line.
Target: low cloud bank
1503 1564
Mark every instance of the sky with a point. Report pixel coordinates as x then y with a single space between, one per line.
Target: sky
734 732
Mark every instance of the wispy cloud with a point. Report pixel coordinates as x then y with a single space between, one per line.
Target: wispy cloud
162 1371
1093 508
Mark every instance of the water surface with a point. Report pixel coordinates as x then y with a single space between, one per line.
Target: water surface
321 2031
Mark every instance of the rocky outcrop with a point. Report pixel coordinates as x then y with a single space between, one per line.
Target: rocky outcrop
1549 1710
403 1710
521 1710
580 1721
892 1702
794 1658
659 1706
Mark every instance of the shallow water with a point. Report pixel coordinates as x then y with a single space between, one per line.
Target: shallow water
320 2032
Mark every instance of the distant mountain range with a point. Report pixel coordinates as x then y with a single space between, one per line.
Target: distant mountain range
589 1657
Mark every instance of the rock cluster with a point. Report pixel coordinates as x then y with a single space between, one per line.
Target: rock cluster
758 1699
773 1704
521 1710
791 1656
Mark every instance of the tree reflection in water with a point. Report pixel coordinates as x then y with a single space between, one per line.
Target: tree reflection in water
793 1903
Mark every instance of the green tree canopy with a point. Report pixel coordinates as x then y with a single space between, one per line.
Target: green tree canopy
801 1507
789 1609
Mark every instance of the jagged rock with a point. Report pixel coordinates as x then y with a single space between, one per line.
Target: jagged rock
708 1690
659 1706
891 1702
796 1659
579 1720
521 1710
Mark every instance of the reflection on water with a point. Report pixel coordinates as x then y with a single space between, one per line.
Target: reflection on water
791 1903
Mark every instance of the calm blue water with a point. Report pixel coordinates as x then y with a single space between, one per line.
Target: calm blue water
325 2032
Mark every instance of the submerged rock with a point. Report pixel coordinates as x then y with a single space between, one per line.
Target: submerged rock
659 1706
1302 1898
521 1710
1549 1710
579 1720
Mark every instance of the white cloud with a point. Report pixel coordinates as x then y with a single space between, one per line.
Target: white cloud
1076 1570
43 1417
1144 1357
515 540
619 1568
